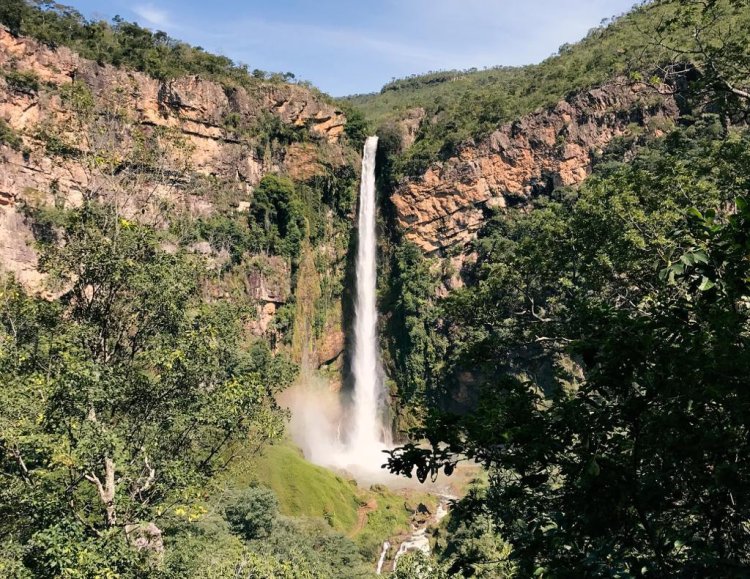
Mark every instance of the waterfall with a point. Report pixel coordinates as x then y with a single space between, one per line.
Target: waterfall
366 428
383 555
351 437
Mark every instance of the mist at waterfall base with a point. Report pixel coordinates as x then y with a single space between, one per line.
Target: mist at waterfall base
350 434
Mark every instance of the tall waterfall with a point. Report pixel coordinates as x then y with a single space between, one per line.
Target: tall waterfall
351 437
366 426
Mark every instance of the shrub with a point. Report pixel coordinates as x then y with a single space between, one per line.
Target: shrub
24 81
252 512
8 136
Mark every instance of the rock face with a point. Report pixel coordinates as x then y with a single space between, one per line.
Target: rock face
74 141
544 150
16 248
331 346
410 124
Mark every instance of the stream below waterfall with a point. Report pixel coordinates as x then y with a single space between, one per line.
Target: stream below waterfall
418 540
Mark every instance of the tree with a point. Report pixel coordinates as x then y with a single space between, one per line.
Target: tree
479 550
119 397
252 512
12 14
611 338
277 217
717 45
473 545
357 128
417 565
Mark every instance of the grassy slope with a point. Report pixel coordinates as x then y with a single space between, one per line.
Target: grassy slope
604 53
307 490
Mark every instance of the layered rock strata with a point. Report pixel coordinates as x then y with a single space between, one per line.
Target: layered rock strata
77 124
542 151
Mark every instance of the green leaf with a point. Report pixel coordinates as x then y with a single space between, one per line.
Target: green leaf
700 256
706 284
547 528
695 213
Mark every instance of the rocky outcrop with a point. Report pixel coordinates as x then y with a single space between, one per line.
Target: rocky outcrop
197 107
545 150
409 126
267 279
198 143
16 248
331 345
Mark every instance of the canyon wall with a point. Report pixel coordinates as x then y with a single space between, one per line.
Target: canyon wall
550 148
185 148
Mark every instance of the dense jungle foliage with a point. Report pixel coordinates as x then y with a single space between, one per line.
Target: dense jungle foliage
608 339
605 335
120 399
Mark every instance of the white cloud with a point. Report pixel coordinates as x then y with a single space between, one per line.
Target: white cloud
343 52
153 15
262 33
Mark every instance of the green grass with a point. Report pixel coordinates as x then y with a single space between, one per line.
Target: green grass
307 490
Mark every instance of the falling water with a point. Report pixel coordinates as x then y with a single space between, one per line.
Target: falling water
366 434
317 418
383 555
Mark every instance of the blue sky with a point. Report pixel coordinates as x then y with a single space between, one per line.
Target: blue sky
350 46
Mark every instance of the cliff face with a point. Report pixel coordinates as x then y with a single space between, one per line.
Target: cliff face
545 150
76 120
168 153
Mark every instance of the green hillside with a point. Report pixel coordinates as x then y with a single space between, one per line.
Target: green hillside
367 515
307 490
463 105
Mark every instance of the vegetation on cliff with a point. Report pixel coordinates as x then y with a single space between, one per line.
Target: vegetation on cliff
126 44
653 40
126 396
